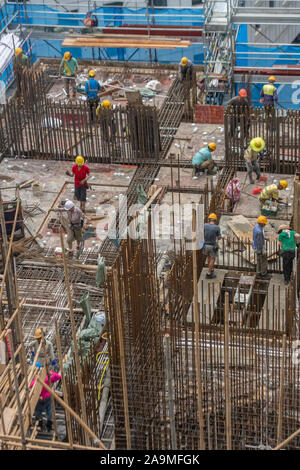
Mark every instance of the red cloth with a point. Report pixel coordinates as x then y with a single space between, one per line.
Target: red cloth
54 377
80 175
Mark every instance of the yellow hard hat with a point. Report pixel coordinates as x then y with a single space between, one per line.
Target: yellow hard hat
18 51
184 61
106 104
272 79
262 220
283 183
212 146
212 216
92 73
38 333
257 144
79 160
67 55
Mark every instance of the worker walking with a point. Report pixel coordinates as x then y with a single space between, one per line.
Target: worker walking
271 192
240 116
269 96
34 345
44 402
82 174
69 67
288 243
259 246
202 160
75 220
185 70
211 236
251 155
92 90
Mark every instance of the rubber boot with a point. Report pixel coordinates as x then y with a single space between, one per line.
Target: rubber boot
49 425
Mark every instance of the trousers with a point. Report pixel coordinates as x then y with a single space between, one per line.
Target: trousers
43 405
261 263
287 262
253 166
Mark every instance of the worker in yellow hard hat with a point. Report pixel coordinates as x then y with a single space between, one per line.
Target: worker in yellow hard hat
20 58
202 160
259 246
269 96
20 62
92 90
256 146
271 192
106 104
185 70
81 172
33 347
211 236
69 67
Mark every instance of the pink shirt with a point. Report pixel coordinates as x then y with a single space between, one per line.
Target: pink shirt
54 377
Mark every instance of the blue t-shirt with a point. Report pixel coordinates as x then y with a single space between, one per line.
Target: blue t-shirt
201 156
92 87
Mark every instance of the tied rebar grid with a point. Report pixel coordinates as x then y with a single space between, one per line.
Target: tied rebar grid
280 130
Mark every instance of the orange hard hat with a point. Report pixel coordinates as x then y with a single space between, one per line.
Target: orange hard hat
243 92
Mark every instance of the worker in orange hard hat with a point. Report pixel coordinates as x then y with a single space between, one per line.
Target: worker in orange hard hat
259 246
68 67
202 160
92 90
211 236
239 114
185 70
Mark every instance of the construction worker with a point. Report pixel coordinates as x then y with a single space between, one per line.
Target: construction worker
202 160
240 110
34 345
271 192
90 21
185 70
107 123
69 67
259 246
44 402
288 240
251 154
104 105
92 90
82 174
21 59
74 227
211 235
268 96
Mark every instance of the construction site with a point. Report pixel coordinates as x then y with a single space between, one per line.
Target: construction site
149 286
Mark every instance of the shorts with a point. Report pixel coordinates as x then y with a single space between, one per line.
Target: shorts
211 250
74 234
80 193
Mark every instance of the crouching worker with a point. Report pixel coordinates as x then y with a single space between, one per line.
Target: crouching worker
202 160
211 236
44 403
259 246
74 226
288 240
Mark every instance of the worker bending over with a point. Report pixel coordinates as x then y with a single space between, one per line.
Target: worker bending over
185 70
34 345
202 160
75 221
69 67
288 240
271 192
82 174
251 154
21 59
44 402
259 246
92 90
241 113
211 236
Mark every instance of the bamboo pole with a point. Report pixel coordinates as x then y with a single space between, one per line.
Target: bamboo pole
227 378
76 354
75 415
122 357
280 404
64 386
49 382
196 310
170 391
59 445
7 326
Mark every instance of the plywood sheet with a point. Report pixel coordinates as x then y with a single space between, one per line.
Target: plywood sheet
130 41
243 230
8 416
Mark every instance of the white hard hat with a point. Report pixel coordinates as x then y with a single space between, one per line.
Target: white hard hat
69 205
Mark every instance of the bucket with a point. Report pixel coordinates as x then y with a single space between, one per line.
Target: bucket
58 253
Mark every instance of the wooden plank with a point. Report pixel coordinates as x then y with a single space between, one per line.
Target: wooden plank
8 416
243 230
135 42
275 301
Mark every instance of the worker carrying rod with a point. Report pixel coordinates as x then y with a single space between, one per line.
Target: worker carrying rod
69 67
185 70
92 90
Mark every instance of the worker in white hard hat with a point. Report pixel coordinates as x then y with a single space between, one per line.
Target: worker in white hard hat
75 220
185 70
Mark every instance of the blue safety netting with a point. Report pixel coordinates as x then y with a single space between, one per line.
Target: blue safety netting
288 94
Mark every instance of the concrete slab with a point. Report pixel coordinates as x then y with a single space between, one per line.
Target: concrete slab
273 313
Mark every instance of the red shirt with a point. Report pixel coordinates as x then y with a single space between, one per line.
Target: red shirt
80 174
